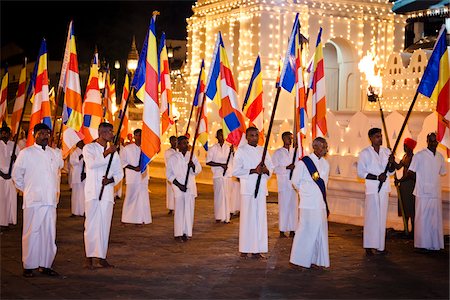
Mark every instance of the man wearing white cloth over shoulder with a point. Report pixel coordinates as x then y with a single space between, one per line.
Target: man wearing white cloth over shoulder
253 235
35 174
136 206
310 177
99 212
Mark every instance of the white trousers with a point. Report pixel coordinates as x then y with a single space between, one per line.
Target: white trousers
375 214
8 202
97 227
136 206
39 236
235 200
287 210
170 198
310 245
77 199
222 197
253 235
428 228
183 220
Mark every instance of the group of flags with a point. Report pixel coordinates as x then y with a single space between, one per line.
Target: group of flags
152 85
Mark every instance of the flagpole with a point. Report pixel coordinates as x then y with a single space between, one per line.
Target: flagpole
16 138
266 144
190 116
57 100
116 140
200 112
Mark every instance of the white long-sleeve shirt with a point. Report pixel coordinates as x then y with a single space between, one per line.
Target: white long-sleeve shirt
282 158
96 166
310 194
219 154
176 168
77 165
5 155
35 173
246 158
371 162
130 155
428 167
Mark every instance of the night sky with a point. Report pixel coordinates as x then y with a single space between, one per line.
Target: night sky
108 24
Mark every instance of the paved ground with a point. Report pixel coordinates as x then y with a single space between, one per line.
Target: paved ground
150 264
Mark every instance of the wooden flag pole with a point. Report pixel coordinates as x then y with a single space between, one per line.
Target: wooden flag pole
116 140
57 100
266 144
189 120
200 112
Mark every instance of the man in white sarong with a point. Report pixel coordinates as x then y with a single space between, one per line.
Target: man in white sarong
35 174
176 170
218 158
371 166
99 211
426 166
253 234
8 192
310 177
282 160
136 206
78 176
170 198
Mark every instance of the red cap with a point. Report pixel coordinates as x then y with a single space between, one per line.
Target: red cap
410 143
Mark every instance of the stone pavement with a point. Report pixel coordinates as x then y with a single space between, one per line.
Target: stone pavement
150 264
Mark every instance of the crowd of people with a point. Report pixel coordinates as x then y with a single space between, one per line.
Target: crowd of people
240 187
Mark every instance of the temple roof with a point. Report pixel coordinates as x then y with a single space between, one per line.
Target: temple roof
405 6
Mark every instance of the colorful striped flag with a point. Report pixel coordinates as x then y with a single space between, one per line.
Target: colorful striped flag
125 92
109 99
220 89
20 101
40 111
319 104
148 84
4 98
165 86
280 66
202 134
435 84
72 115
92 105
253 107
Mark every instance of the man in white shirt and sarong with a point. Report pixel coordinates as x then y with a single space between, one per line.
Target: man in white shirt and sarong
8 192
77 179
136 206
310 177
248 165
170 198
426 167
35 174
178 165
99 211
218 158
283 164
372 164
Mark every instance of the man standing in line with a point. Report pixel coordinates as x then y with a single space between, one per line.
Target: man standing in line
136 206
177 167
8 193
287 196
371 166
78 176
99 211
217 158
426 166
253 235
35 174
170 198
310 177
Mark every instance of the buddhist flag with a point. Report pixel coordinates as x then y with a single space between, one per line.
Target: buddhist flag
92 105
220 89
72 115
40 111
20 101
165 86
125 92
280 66
319 105
109 99
151 143
253 107
4 98
199 97
435 84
